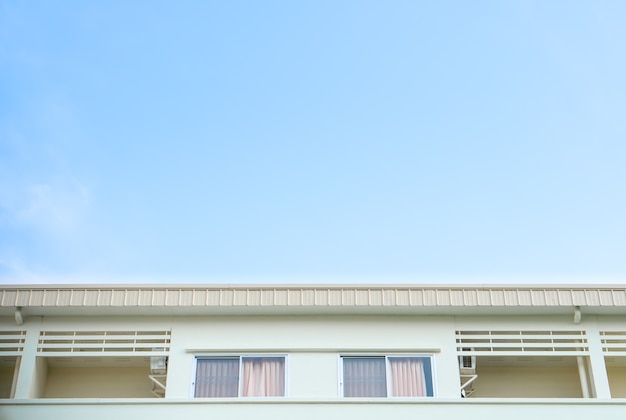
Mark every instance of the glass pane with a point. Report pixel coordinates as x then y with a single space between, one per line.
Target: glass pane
364 377
263 377
408 376
217 378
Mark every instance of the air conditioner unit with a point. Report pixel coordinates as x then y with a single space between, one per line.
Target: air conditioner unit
467 368
467 363
158 373
158 364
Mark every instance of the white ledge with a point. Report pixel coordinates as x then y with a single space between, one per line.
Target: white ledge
288 400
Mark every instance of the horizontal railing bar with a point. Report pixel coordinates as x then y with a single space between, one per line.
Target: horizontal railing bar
524 345
100 345
104 337
525 353
520 337
70 354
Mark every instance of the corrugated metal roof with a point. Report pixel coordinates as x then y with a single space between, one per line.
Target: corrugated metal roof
296 296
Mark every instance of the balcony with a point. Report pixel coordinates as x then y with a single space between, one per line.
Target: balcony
527 377
616 371
8 375
93 377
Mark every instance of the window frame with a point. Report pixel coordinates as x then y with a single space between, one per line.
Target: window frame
240 357
429 356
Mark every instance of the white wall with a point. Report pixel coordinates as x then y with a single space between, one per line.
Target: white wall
97 382
527 382
6 381
617 380
430 409
313 344
40 378
321 366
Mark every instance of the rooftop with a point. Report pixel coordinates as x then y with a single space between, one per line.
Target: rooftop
310 299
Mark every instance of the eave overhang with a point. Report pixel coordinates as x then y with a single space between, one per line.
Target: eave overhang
71 300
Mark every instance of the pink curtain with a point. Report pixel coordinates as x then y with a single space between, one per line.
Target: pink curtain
407 377
263 377
364 377
217 378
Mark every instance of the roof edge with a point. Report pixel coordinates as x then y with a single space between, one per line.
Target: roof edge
321 286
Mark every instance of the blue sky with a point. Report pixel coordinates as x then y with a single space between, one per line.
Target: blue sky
287 142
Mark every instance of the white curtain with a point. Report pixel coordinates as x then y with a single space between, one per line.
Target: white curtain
407 377
217 378
364 377
263 377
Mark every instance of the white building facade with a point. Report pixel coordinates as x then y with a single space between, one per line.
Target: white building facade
97 352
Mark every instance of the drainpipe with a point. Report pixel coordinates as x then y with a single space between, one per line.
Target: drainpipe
19 319
582 371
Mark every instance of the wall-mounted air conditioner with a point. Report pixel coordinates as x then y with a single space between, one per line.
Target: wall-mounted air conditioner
467 363
158 365
158 374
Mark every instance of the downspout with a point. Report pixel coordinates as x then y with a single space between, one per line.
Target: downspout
582 371
582 368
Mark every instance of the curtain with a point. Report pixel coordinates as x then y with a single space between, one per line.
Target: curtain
364 377
407 377
263 377
217 378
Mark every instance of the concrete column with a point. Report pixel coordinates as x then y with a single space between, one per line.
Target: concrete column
27 367
447 369
599 376
179 370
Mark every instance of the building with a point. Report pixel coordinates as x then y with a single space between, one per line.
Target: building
314 352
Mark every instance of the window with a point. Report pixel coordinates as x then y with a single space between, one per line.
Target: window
382 376
240 376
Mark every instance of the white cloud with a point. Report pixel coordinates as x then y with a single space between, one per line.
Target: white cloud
14 270
54 207
46 215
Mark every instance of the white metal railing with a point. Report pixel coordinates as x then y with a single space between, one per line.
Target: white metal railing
12 342
613 342
515 342
143 342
